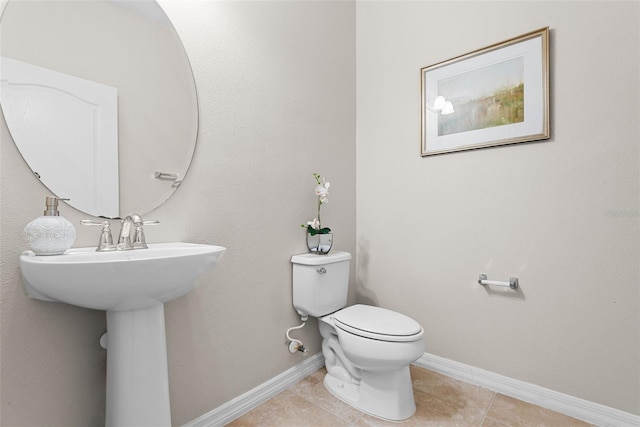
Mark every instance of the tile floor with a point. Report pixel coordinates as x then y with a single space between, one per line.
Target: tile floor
440 401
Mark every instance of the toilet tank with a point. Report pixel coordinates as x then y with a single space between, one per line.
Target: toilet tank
320 283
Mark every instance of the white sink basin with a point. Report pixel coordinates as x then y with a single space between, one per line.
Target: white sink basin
132 286
118 280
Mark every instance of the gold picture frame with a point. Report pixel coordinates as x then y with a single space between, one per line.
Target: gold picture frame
493 96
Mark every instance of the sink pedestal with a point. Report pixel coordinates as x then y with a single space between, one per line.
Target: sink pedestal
137 376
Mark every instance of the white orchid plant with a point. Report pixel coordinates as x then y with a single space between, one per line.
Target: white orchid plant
322 191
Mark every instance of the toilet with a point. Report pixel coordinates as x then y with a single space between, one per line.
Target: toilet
367 349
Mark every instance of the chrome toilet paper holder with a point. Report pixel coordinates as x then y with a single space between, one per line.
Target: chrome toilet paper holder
512 283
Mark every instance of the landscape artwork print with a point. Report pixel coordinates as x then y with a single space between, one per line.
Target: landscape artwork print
483 98
497 95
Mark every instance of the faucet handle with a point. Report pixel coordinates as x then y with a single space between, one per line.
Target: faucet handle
106 239
138 241
91 222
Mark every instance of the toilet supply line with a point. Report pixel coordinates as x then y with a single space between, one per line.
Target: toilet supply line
295 344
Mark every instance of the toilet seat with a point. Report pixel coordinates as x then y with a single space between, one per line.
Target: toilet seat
377 323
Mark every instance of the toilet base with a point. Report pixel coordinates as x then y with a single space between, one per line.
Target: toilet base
383 394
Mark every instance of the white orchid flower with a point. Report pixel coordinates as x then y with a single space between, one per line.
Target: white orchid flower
322 191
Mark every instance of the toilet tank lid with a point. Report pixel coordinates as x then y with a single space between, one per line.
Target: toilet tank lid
314 259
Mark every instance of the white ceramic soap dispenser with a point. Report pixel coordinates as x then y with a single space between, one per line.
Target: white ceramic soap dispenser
50 234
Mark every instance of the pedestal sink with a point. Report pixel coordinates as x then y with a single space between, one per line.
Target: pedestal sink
132 287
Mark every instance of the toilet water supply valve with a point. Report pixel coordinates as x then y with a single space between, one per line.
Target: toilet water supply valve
294 344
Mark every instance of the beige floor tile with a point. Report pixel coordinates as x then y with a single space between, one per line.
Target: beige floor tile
288 409
440 401
312 388
432 411
516 413
488 422
454 392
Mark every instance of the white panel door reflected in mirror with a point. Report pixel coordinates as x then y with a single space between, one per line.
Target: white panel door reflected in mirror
63 123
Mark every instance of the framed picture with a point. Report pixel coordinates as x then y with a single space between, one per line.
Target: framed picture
492 96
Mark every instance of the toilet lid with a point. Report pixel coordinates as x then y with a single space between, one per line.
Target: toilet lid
377 323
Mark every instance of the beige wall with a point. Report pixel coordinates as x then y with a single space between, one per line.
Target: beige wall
277 101
561 215
276 91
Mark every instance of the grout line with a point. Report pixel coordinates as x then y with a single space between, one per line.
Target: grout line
486 410
357 419
328 411
324 409
498 422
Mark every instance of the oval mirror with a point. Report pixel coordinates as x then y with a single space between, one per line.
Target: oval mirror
100 100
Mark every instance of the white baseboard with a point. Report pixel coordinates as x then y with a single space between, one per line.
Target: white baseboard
233 409
590 412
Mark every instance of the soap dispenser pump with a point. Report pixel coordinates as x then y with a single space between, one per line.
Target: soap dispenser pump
50 234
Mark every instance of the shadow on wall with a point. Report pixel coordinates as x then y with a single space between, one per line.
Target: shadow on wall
504 292
364 295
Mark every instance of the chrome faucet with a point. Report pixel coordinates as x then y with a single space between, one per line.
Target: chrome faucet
131 234
124 241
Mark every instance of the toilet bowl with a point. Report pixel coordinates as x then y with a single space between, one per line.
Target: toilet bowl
375 338
367 349
378 381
